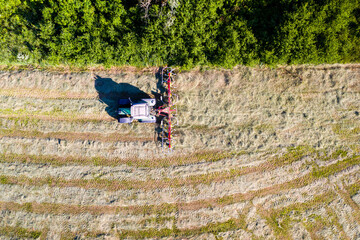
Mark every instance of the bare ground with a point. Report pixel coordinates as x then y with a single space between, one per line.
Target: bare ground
290 168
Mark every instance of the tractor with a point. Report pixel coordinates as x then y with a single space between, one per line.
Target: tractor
141 110
149 110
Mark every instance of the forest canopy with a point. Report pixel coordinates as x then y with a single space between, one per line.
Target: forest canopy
185 33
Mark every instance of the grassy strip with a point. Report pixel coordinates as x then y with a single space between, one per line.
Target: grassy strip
72 136
18 232
44 94
177 160
114 185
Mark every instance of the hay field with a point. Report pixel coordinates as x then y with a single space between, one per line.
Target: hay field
260 154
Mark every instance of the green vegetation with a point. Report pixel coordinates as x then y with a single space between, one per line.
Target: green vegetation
19 233
185 33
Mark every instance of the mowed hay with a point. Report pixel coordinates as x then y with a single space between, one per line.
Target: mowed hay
260 153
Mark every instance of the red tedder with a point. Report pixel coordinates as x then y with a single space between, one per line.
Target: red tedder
168 111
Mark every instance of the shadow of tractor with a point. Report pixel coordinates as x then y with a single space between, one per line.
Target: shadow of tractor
110 92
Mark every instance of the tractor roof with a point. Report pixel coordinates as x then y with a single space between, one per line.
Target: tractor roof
140 110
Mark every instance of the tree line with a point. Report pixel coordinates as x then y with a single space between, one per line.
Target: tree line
187 33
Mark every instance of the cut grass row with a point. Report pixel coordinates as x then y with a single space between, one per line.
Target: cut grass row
52 116
214 228
114 185
73 136
34 120
168 161
45 94
168 208
154 162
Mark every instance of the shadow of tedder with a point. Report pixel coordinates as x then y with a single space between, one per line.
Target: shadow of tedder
110 92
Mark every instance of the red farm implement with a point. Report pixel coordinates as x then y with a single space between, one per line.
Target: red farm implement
168 110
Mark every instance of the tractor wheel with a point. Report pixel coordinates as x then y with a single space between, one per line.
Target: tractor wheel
125 120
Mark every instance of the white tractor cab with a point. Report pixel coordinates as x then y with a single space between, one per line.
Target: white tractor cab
140 110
